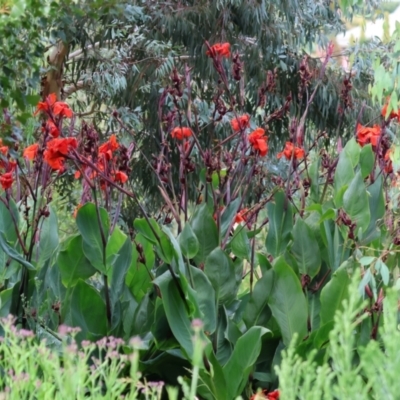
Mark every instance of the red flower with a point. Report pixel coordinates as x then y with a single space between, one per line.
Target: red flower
46 105
62 109
219 50
109 147
367 134
258 141
120 177
265 395
392 114
6 180
289 150
57 150
240 216
31 151
241 122
52 128
180 133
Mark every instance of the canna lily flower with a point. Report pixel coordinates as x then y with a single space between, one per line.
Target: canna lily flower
258 141
57 150
31 151
6 180
62 109
388 162
3 149
46 105
289 150
52 128
180 133
240 216
219 50
367 134
109 147
120 177
266 395
241 122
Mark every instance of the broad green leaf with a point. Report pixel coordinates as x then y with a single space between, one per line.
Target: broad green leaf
242 360
280 216
86 309
8 220
335 291
12 253
48 237
240 244
355 202
305 249
205 298
188 242
205 229
119 271
176 312
314 175
228 215
89 227
344 174
73 264
287 302
114 244
367 159
220 271
258 301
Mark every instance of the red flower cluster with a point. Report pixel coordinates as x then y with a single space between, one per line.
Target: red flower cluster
57 150
180 133
219 50
53 109
241 122
367 134
31 151
8 165
291 150
258 141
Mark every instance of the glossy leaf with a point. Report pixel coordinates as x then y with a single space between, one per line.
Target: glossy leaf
8 220
287 302
12 253
355 202
48 237
240 244
305 249
334 292
188 242
367 160
205 229
89 227
280 216
241 362
221 273
73 264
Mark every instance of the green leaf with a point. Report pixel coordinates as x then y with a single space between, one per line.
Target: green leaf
119 271
305 249
86 309
115 242
229 215
88 225
205 229
367 160
334 292
12 253
188 242
48 237
242 360
240 244
73 264
314 175
221 273
280 216
355 202
287 302
176 312
258 301
205 295
344 174
7 225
